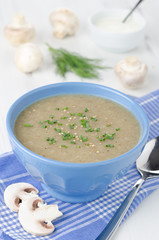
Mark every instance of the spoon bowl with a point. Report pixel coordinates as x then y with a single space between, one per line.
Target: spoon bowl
148 166
148 162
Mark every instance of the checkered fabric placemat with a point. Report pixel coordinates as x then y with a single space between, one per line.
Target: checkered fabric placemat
80 221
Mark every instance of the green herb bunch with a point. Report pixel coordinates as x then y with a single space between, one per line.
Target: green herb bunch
66 61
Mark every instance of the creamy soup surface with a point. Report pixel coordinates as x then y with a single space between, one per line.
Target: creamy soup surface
77 128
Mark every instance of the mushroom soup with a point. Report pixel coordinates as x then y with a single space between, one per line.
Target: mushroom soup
77 128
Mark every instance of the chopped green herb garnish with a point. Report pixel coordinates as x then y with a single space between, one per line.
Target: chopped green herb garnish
28 125
86 110
79 114
57 130
103 138
117 129
44 126
72 125
54 121
98 130
52 140
51 116
64 117
57 108
87 144
108 125
66 108
50 122
73 142
110 145
72 114
84 139
110 136
89 130
59 124
64 146
67 136
94 119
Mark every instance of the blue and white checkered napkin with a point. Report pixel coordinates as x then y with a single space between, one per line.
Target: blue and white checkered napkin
80 221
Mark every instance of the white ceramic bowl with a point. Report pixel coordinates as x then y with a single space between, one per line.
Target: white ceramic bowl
113 41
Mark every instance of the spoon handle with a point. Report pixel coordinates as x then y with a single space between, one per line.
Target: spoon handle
138 3
114 223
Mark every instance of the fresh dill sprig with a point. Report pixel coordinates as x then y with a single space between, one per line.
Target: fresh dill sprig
66 61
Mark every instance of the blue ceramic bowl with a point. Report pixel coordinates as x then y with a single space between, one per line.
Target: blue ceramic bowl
75 182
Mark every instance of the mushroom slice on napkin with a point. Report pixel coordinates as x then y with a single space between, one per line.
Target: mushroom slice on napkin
15 193
36 217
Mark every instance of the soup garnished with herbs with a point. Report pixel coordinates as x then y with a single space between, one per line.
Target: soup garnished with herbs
77 128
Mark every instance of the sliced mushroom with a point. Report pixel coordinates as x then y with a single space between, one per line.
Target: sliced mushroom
131 72
36 217
28 57
19 31
15 193
64 22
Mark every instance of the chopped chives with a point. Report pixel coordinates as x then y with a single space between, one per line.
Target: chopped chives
86 110
89 130
110 145
28 125
51 116
54 121
72 114
98 130
59 124
44 126
94 119
52 140
57 130
72 125
79 114
57 108
108 125
84 139
117 129
64 117
64 146
66 108
73 142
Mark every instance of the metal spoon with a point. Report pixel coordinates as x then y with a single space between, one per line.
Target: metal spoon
128 15
148 166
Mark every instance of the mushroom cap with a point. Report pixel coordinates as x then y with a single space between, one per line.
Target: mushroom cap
64 21
15 193
19 31
28 57
131 71
38 224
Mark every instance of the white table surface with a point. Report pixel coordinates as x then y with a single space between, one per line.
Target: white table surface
144 222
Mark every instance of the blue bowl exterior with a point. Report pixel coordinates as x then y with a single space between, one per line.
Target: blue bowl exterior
75 182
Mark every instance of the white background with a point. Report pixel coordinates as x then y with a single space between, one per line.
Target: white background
144 222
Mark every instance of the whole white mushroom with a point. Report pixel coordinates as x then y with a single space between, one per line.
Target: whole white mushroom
64 22
131 72
19 31
28 57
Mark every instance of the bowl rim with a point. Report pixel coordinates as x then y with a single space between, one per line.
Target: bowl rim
141 141
99 30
